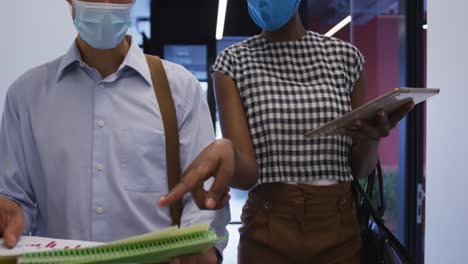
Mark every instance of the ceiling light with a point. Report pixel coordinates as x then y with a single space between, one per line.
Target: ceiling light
221 19
339 26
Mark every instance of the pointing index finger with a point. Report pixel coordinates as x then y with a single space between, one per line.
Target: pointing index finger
177 193
193 177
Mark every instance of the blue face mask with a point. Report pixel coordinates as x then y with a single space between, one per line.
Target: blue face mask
102 25
271 15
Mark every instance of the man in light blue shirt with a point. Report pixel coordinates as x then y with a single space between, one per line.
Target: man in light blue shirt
82 144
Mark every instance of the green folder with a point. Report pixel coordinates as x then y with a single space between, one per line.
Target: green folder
149 248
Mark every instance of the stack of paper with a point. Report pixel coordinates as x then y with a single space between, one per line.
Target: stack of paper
149 248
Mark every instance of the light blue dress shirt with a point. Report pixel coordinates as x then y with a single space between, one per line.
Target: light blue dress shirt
85 156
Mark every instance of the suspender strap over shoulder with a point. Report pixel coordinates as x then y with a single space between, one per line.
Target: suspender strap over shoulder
171 129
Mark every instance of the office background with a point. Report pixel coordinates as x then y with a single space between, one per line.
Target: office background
389 33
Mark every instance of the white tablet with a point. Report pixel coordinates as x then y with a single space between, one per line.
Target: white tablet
389 102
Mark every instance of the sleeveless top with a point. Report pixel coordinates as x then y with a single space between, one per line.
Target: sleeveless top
288 88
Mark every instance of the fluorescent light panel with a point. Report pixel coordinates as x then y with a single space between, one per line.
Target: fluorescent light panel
339 26
221 19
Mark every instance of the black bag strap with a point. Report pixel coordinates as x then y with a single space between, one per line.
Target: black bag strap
378 215
369 189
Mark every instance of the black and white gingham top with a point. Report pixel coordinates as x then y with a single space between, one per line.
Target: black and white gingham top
288 88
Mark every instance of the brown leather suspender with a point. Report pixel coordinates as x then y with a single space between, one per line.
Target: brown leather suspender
171 129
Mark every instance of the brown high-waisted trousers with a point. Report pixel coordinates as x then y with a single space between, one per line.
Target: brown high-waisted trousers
284 223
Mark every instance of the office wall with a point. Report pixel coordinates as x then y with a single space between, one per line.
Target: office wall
31 33
447 136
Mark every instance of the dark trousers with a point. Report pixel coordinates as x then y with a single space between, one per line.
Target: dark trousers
283 223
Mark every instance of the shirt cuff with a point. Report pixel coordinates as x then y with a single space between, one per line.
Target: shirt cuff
219 255
28 225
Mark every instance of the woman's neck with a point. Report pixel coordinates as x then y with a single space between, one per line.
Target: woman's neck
292 30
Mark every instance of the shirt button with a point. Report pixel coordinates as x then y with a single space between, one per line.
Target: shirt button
102 86
100 123
100 166
100 210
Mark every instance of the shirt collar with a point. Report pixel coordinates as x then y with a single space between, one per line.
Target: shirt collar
135 59
72 55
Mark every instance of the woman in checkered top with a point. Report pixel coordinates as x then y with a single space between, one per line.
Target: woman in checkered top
270 90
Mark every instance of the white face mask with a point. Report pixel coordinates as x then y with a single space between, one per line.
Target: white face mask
102 25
